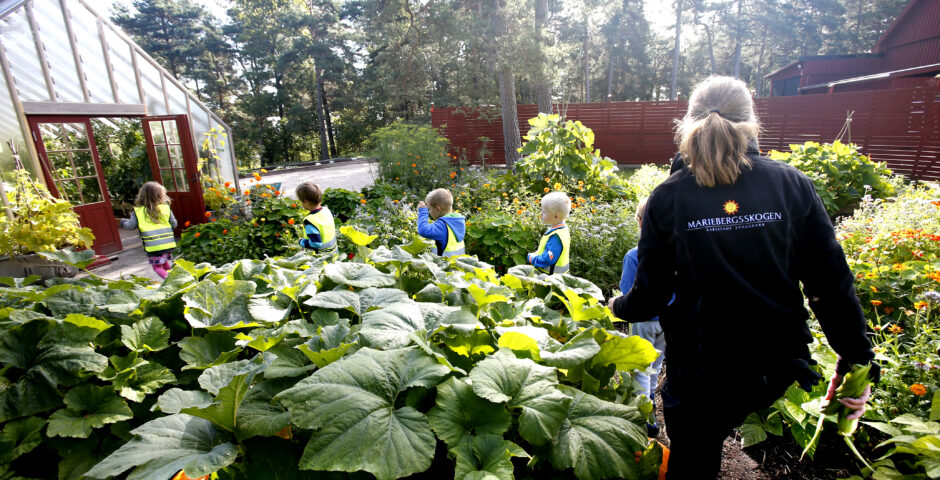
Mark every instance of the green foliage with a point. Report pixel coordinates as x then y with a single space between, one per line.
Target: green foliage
504 231
123 153
285 347
40 222
413 156
561 156
601 234
841 175
341 202
642 181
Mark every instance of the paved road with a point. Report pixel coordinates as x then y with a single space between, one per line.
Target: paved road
351 175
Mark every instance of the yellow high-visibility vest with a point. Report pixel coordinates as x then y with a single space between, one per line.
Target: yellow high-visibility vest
562 265
323 220
157 236
453 247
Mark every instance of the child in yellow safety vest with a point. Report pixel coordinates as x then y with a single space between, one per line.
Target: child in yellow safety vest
447 228
155 221
319 227
554 250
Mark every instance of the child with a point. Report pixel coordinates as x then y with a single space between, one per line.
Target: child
155 221
555 246
318 225
448 228
650 331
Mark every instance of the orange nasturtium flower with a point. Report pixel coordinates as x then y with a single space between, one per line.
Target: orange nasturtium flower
247 192
208 214
186 224
293 205
228 184
290 221
876 302
919 389
363 201
413 165
888 310
224 231
920 305
197 234
453 174
257 177
546 189
264 171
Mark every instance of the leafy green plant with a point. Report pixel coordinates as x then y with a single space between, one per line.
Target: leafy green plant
36 221
841 175
249 369
642 181
563 154
341 202
412 156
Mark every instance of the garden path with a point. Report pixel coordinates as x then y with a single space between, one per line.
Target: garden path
351 175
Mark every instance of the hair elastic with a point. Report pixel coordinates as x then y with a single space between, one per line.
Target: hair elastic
714 111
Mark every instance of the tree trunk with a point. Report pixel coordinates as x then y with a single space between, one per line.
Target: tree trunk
587 59
675 54
858 28
329 124
737 43
711 50
324 152
760 64
610 71
543 90
507 100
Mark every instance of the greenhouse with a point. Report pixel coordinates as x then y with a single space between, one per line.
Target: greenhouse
79 98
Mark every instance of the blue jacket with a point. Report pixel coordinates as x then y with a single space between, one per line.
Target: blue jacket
313 239
630 263
437 230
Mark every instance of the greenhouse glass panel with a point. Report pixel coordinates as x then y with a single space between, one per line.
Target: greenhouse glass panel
91 190
172 135
58 52
20 49
85 26
224 151
62 163
153 89
120 52
10 129
163 158
84 164
68 190
167 177
156 129
177 99
181 183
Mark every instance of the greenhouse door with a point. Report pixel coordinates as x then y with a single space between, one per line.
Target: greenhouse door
72 170
173 162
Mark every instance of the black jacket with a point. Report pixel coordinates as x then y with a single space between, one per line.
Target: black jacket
735 256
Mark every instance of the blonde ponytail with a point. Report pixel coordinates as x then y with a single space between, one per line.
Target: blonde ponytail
714 133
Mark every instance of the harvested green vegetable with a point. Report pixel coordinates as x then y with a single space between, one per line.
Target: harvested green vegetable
853 386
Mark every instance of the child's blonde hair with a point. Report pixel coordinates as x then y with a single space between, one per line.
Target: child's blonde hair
641 209
309 192
151 196
440 198
714 133
557 203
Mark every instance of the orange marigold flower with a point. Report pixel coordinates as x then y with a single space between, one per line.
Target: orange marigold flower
935 276
264 171
293 205
247 192
257 177
546 189
277 192
224 231
876 302
895 329
362 201
919 389
874 289
889 310
186 224
413 165
920 305
197 234
290 221
228 184
232 189
592 198
520 211
453 174
486 185
208 214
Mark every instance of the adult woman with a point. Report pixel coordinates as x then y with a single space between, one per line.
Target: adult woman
734 235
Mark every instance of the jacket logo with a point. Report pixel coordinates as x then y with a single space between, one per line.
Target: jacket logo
730 207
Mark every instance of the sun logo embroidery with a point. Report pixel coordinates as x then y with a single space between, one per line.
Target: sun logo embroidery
730 207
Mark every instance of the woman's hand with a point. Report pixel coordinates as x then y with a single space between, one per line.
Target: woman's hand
610 303
857 404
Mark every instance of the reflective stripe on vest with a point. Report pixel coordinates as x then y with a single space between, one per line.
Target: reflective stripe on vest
323 220
562 265
156 236
453 247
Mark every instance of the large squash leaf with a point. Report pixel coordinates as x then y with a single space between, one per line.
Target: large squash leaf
259 415
174 400
134 378
166 445
486 457
220 305
89 407
459 413
523 384
359 275
335 300
391 326
147 335
213 348
20 437
351 406
598 438
627 353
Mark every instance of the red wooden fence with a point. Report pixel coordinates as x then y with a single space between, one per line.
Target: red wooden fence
899 126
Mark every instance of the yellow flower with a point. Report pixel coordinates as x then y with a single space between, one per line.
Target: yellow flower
486 185
505 194
557 186
580 182
515 200
547 180
874 289
895 329
919 389
870 275
920 305
592 198
546 189
264 171
876 302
